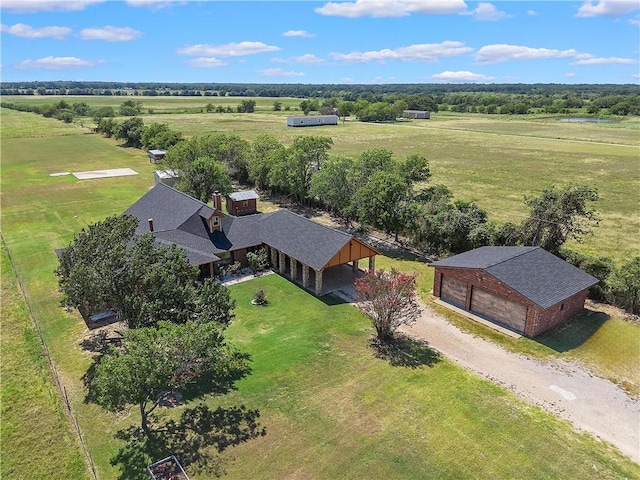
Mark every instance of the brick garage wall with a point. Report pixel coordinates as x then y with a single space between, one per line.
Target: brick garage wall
556 315
538 320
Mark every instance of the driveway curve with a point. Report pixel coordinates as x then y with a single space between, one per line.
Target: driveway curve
563 388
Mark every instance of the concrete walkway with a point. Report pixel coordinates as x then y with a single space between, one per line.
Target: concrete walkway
563 388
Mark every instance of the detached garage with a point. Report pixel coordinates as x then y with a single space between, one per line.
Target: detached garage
525 289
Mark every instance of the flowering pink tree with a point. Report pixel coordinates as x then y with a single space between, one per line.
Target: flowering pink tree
389 300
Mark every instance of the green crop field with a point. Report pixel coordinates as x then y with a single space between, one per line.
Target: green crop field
330 408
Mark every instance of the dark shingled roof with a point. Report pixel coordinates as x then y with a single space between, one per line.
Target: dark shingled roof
301 238
533 272
181 219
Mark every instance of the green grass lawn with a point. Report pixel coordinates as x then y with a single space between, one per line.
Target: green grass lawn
37 439
331 409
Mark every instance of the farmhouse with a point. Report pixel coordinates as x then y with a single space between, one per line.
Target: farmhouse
303 250
156 156
526 289
416 114
311 120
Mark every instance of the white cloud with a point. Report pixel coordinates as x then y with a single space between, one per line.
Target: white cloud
27 31
298 33
110 34
487 12
55 63
504 53
570 75
383 80
532 13
591 60
391 8
278 72
308 58
635 21
348 80
636 75
426 52
206 62
607 8
462 77
33 6
227 50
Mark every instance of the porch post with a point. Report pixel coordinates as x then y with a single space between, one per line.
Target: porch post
281 262
305 275
354 265
274 257
294 269
372 263
319 282
211 269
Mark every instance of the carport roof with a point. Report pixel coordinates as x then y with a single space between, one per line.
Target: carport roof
533 272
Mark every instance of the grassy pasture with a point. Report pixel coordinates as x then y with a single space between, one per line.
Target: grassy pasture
37 440
331 409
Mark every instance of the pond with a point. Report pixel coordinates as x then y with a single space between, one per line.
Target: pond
585 120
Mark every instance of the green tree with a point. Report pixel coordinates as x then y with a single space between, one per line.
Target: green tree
414 168
266 150
203 177
305 156
155 362
159 136
623 286
258 261
131 132
380 202
247 106
345 109
277 106
559 214
333 185
389 299
130 108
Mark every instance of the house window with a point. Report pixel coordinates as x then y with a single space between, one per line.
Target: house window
215 221
562 306
245 203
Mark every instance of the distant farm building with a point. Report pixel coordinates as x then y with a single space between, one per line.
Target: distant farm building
311 120
423 114
168 177
242 203
156 156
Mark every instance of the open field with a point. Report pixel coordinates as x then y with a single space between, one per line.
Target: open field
331 409
37 441
493 160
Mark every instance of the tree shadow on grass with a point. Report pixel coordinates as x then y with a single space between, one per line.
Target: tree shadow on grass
196 439
574 333
404 351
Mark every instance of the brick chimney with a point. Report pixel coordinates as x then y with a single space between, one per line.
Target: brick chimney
217 201
150 224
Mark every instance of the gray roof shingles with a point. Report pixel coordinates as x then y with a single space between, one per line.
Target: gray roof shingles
245 195
533 272
180 219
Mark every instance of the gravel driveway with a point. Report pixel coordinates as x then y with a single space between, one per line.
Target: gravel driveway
563 388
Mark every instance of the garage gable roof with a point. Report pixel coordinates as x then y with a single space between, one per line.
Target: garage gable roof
533 272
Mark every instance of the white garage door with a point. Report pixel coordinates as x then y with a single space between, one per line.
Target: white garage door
498 308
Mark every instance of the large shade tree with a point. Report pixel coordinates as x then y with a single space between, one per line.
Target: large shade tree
153 363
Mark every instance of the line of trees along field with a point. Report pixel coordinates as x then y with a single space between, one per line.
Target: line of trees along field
490 99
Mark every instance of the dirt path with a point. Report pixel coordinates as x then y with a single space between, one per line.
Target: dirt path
563 388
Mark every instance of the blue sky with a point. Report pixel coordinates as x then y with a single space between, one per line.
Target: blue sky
357 41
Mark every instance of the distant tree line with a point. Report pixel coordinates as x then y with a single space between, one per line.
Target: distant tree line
483 98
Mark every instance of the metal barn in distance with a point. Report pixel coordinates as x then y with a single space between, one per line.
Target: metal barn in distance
421 114
311 120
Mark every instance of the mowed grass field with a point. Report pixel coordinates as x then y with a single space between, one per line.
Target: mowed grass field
330 408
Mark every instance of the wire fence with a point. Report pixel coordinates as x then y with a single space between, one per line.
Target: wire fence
52 367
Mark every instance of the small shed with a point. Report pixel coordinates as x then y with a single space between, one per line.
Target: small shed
242 203
311 120
420 114
525 289
168 177
156 156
